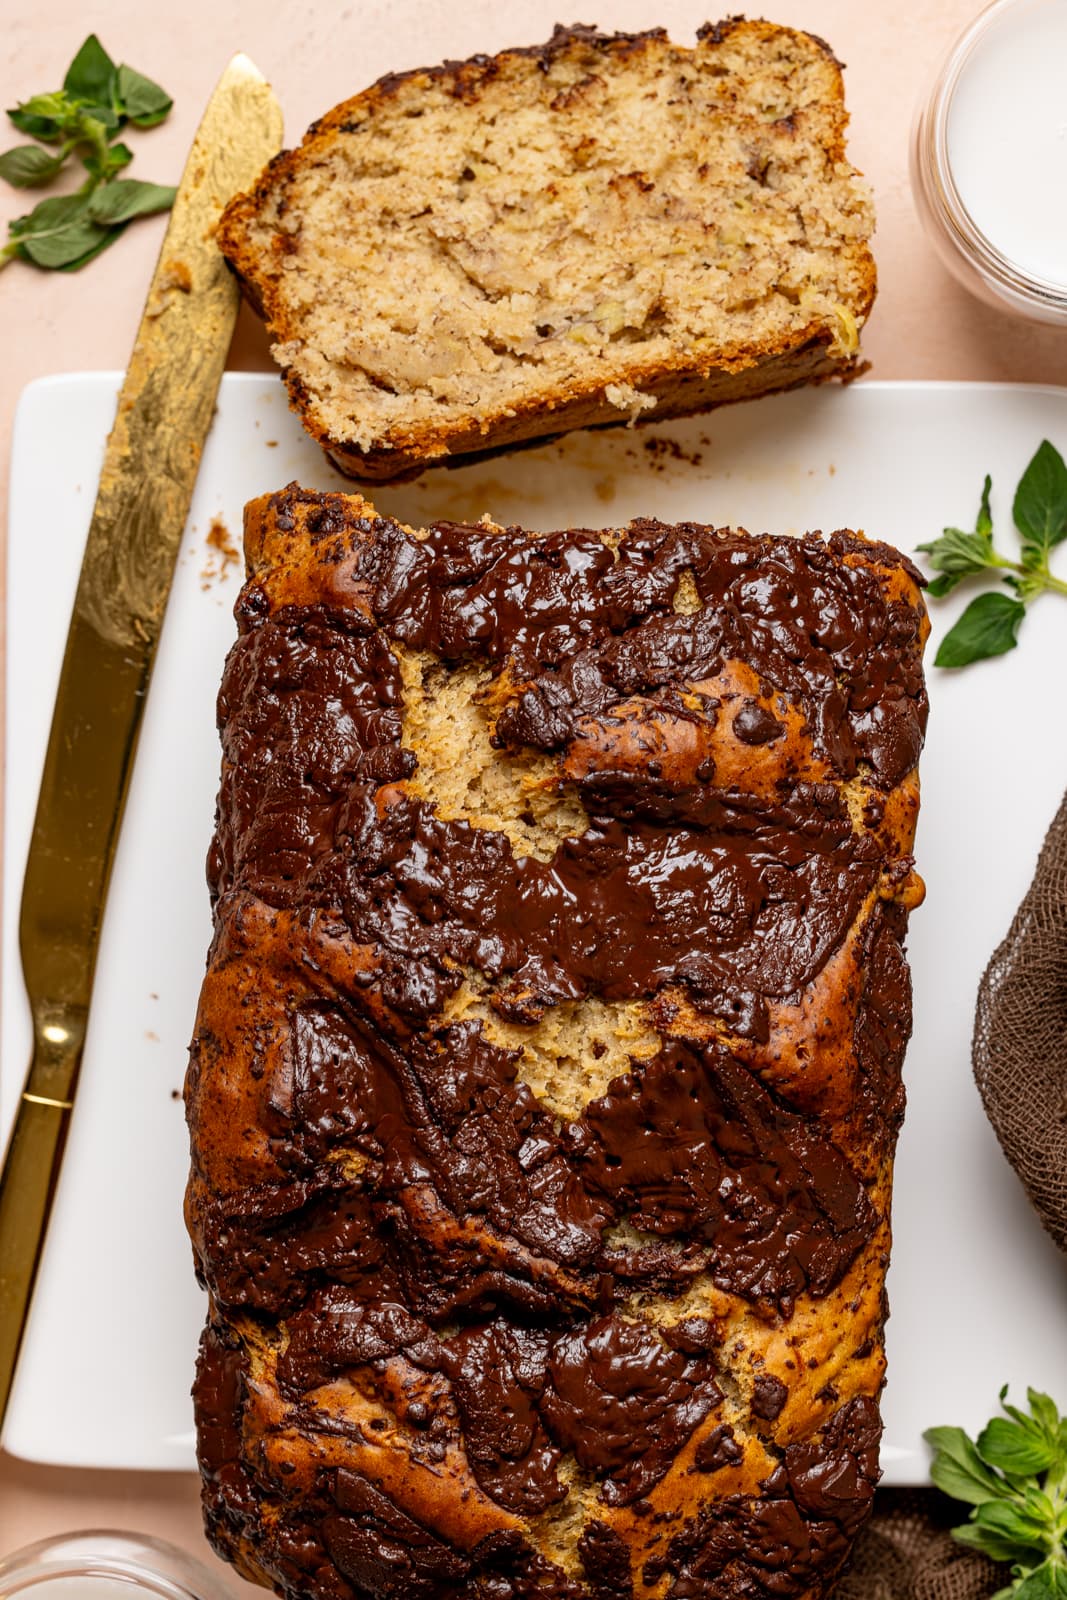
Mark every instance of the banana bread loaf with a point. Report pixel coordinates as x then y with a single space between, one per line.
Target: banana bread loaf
602 229
546 1076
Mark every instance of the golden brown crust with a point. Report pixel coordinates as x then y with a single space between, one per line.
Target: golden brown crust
680 392
692 376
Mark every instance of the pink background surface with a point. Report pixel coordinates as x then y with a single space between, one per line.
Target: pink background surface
923 326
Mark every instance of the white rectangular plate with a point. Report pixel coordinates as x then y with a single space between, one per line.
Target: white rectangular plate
978 1293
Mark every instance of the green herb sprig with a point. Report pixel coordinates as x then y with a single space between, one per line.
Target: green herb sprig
83 119
1014 1477
990 624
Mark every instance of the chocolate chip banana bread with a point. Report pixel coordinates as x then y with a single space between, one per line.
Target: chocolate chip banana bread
606 228
546 1076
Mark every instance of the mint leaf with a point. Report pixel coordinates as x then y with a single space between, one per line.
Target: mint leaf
113 159
1040 505
44 116
124 198
104 239
91 75
109 120
143 101
939 587
57 210
1046 1582
958 555
988 627
1017 1448
84 116
991 1544
60 233
1009 1522
957 1467
959 552
27 166
984 521
48 215
1015 1479
1045 1414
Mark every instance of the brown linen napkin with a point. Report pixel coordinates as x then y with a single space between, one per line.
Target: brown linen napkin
1020 1065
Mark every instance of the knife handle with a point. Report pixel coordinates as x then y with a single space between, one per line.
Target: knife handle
28 1183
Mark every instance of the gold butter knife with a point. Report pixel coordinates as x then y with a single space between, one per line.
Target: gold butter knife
150 465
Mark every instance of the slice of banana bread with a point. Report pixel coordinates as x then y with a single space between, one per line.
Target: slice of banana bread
603 229
546 1076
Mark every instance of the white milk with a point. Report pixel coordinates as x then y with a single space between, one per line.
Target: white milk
1007 136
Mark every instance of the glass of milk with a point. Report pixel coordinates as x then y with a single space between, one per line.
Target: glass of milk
105 1565
989 158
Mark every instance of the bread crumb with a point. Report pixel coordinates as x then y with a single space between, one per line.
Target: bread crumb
177 275
222 553
624 397
660 446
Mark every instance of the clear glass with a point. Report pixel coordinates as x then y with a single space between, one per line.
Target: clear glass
966 250
103 1564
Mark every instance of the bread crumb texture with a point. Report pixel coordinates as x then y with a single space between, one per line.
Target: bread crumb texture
602 229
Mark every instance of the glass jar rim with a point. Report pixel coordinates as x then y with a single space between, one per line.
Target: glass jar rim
1045 293
137 1559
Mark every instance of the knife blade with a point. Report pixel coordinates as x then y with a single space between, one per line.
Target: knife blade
150 465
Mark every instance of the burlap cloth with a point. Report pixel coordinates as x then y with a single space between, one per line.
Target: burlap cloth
906 1552
1020 1066
1020 1036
